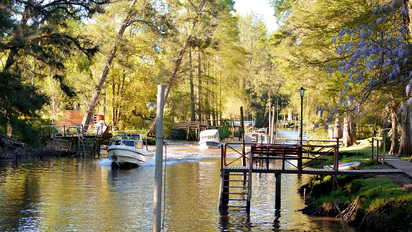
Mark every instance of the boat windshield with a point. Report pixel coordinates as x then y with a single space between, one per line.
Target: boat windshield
136 137
128 143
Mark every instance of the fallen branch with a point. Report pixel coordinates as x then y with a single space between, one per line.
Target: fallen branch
337 201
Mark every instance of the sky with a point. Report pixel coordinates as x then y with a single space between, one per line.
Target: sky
261 7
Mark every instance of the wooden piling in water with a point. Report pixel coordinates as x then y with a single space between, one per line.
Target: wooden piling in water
278 190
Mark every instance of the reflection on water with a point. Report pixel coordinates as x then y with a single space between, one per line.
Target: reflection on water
64 194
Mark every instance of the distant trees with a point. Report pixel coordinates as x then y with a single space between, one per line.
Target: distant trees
210 62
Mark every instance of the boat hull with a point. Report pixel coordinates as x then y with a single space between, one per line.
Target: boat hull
209 139
123 155
209 144
346 166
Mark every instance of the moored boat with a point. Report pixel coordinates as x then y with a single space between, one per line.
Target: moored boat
345 166
209 139
128 149
257 136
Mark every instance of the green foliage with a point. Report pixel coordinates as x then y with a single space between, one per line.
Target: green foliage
178 135
370 162
388 140
224 132
347 154
320 163
322 188
27 61
19 104
27 131
383 204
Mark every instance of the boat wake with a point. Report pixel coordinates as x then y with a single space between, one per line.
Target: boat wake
104 162
175 153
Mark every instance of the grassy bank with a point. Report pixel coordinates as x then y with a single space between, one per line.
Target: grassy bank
372 204
362 151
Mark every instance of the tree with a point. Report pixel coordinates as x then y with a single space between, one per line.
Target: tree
35 39
301 49
379 59
125 23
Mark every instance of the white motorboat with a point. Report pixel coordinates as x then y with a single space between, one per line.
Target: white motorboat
129 149
209 139
258 136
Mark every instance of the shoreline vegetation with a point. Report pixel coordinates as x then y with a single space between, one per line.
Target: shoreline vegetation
13 149
379 203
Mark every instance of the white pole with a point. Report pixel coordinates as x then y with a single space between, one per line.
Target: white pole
157 201
277 118
307 112
270 120
272 138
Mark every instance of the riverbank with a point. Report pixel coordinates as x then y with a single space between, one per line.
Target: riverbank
380 203
13 149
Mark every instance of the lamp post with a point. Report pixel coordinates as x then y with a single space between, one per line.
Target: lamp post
307 112
301 93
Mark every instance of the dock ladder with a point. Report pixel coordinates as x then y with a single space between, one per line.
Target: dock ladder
235 191
235 185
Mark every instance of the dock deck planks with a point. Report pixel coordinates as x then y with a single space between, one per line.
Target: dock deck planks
398 163
314 171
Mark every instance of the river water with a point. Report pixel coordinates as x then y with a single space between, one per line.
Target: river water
81 194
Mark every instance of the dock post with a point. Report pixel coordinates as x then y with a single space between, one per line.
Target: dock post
243 137
383 152
157 199
336 157
300 160
377 150
278 177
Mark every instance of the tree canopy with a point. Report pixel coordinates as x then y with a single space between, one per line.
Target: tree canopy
353 57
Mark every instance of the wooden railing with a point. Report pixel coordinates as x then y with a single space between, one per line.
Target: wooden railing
63 130
309 153
77 130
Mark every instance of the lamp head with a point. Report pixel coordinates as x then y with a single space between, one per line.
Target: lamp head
301 91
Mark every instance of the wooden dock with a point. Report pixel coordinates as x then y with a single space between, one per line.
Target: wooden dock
398 163
75 139
237 167
193 128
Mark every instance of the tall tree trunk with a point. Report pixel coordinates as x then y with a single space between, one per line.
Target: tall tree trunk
349 134
405 146
114 106
192 94
117 96
409 6
395 137
106 68
220 102
182 52
179 60
337 128
199 86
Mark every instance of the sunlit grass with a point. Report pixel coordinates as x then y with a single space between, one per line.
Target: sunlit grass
361 151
